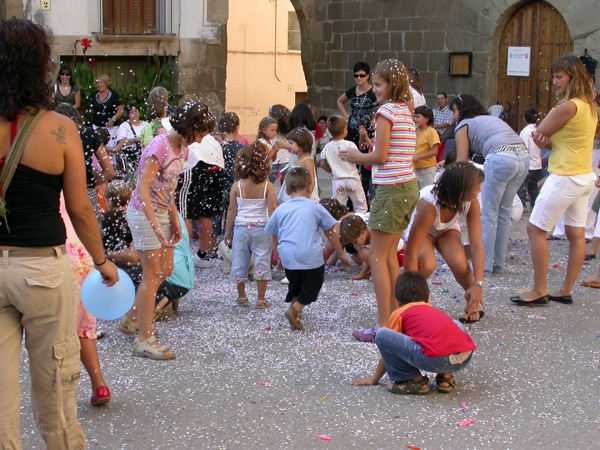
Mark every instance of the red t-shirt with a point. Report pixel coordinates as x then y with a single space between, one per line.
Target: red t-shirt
434 330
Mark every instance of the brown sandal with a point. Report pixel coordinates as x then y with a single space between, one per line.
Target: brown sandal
410 387
450 382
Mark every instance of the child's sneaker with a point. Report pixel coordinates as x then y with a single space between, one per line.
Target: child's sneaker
203 263
367 335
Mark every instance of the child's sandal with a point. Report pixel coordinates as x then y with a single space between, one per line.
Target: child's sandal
242 301
262 304
448 382
410 387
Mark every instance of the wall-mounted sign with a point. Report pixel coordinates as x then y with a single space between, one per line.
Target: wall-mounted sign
518 63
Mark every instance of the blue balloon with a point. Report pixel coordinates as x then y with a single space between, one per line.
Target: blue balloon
107 303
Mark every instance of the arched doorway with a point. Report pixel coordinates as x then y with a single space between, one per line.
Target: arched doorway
539 26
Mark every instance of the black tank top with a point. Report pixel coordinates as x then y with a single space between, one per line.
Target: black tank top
32 201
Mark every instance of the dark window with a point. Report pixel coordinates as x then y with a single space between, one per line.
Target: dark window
294 39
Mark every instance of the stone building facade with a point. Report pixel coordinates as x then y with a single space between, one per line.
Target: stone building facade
336 33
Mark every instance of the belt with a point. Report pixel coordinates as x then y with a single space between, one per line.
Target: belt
37 251
517 148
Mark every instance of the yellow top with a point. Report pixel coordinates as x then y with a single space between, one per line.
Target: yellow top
573 143
425 142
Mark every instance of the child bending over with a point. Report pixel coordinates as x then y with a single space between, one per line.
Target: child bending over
419 337
355 232
251 201
295 228
346 178
435 226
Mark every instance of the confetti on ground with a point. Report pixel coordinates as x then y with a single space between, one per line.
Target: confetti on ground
465 423
436 283
463 407
265 383
412 447
324 438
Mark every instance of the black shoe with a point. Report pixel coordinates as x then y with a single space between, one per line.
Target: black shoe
538 301
589 256
564 299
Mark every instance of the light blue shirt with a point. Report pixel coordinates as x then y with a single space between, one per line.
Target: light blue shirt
296 224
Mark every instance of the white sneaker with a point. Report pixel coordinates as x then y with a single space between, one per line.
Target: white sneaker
202 263
285 281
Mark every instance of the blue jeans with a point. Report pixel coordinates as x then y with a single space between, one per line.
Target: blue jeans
504 174
248 241
404 359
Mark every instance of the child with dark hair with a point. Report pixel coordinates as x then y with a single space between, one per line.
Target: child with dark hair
428 142
251 201
295 229
355 233
338 212
435 227
419 337
535 173
229 126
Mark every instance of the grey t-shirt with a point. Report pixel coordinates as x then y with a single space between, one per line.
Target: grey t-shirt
486 133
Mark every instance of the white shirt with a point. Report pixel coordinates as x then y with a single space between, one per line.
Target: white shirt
339 168
535 160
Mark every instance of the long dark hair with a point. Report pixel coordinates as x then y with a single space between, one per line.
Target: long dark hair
302 116
467 106
26 63
456 182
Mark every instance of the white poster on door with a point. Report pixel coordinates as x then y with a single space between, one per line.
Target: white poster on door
518 62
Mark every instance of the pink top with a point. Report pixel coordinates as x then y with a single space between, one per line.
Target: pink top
164 185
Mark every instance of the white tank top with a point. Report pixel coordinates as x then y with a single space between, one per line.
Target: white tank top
428 195
251 211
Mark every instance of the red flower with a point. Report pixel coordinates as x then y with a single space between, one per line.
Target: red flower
85 43
91 63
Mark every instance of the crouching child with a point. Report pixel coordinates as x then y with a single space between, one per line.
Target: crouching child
419 337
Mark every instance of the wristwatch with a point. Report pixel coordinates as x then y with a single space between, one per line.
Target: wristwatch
479 283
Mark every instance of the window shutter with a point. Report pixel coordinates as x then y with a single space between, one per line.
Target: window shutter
129 16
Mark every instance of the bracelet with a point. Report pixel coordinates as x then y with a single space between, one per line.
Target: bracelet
102 263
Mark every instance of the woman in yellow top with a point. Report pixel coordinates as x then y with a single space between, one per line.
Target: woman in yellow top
571 126
428 143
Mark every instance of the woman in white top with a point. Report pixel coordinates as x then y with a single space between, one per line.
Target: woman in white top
128 137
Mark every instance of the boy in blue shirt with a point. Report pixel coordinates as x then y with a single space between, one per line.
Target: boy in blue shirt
295 228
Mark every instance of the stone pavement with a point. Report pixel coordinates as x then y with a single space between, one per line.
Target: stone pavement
243 380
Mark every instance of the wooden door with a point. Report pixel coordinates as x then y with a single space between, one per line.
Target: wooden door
540 26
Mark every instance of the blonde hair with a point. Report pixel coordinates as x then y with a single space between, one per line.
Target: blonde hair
262 126
395 74
579 85
105 79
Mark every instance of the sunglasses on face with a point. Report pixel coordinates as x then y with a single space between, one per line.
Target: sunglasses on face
360 75
65 74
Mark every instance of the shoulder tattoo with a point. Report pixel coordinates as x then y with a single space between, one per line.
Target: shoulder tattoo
60 135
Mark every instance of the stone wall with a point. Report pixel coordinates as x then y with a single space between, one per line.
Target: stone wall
337 33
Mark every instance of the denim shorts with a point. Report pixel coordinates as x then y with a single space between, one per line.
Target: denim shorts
393 206
249 240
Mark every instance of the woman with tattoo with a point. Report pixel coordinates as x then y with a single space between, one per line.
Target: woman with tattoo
40 154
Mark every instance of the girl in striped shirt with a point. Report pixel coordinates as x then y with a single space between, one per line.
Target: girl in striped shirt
396 188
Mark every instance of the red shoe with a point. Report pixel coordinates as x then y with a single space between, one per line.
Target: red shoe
101 396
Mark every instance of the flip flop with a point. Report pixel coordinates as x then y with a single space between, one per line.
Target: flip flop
591 283
463 320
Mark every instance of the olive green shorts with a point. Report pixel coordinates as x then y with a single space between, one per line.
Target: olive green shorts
393 206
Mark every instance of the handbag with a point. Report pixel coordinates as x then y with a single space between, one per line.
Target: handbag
8 168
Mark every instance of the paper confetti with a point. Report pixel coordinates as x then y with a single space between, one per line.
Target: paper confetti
463 407
265 383
465 423
324 438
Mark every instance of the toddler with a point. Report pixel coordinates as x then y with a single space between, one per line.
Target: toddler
346 178
295 228
428 142
251 201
